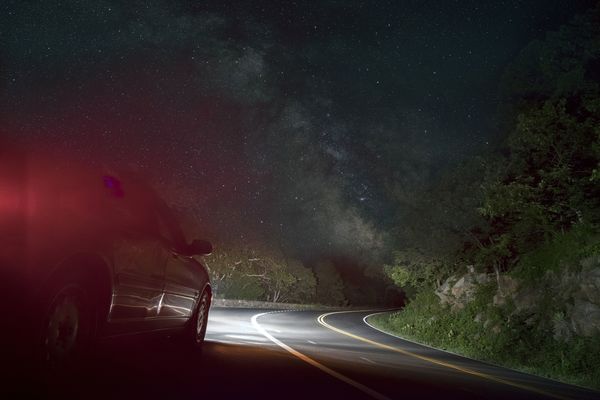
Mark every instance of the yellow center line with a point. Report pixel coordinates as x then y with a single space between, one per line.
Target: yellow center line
321 320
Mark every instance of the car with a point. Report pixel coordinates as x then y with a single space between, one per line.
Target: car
88 253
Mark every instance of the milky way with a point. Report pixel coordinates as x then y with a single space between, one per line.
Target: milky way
279 120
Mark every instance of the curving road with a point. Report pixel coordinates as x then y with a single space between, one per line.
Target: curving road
372 364
252 353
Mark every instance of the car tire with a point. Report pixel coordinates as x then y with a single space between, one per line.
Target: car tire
196 330
68 324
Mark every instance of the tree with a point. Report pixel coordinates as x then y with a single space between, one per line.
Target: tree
233 274
440 229
442 215
415 271
330 287
255 271
275 277
550 182
304 288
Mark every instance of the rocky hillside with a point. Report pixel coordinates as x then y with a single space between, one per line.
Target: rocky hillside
565 303
543 323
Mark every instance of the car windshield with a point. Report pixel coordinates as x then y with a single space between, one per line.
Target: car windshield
400 198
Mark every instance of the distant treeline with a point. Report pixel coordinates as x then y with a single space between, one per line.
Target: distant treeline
257 271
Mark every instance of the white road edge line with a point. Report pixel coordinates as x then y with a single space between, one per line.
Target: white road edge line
368 360
316 364
365 320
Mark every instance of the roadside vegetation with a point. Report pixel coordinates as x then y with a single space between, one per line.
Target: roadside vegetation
255 271
507 269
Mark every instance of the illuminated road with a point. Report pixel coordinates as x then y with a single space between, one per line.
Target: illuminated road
294 354
375 365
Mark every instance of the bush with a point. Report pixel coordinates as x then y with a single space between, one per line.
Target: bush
495 335
562 250
414 271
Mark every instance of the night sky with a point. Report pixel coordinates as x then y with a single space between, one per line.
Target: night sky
270 119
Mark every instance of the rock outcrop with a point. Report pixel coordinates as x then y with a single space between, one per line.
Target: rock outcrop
585 318
574 292
457 292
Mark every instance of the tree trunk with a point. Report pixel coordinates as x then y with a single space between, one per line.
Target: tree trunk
497 271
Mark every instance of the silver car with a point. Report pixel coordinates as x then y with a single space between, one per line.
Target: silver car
89 253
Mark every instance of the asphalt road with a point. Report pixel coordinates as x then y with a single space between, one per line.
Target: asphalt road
263 354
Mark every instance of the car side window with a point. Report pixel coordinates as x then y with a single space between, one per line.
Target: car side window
134 206
169 228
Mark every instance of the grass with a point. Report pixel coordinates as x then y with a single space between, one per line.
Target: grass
506 340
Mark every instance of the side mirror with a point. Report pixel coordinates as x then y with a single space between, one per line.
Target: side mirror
200 247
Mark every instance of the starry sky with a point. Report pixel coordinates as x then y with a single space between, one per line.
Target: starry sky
264 118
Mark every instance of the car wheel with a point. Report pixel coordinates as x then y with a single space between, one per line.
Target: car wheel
67 325
197 329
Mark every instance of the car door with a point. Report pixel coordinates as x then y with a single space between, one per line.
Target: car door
185 278
139 259
139 279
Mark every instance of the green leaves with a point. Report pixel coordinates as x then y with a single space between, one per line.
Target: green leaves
414 271
329 284
550 183
260 273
